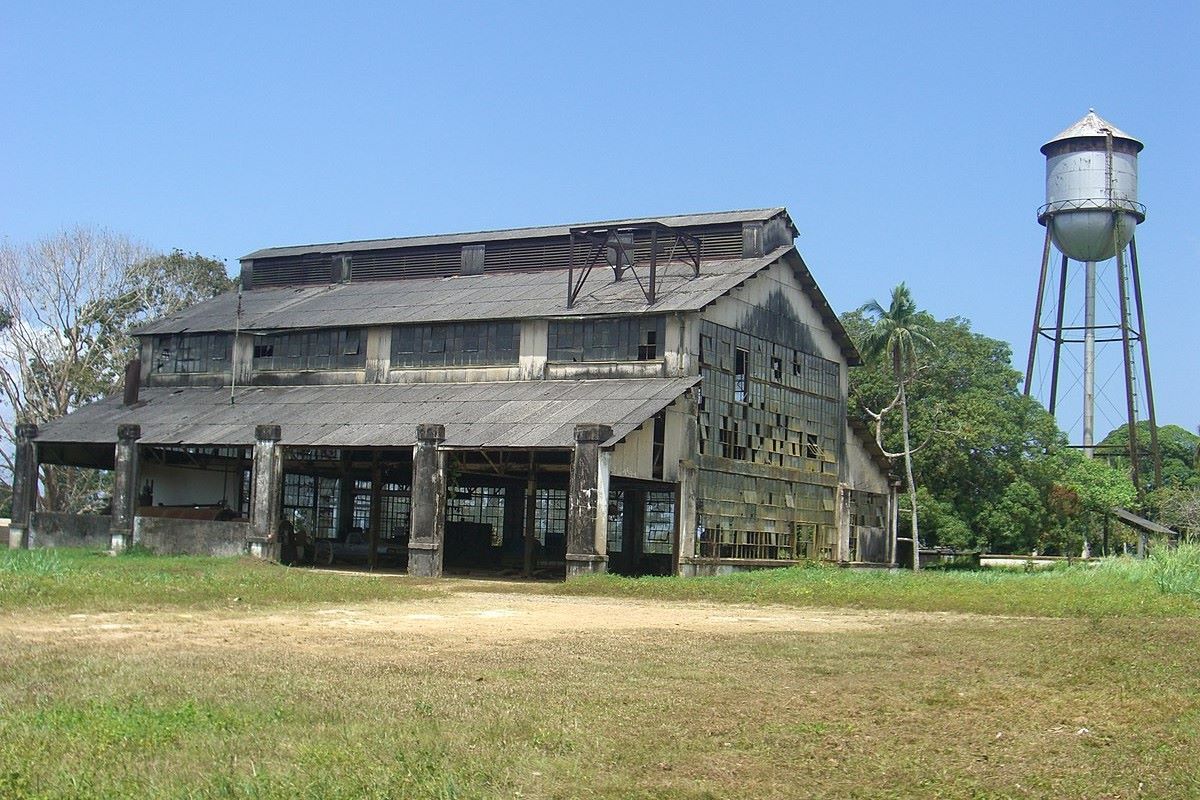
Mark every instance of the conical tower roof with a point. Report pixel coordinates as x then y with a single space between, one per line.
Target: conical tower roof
1092 125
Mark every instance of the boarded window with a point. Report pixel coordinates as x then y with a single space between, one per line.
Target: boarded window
183 353
621 339
330 348
461 344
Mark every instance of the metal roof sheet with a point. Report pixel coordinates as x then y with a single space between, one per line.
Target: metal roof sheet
503 414
677 221
1091 124
491 295
1140 522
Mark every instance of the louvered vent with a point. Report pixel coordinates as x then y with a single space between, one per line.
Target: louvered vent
527 256
292 270
721 243
418 262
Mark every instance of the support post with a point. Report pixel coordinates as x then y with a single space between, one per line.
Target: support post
1037 313
427 534
1127 362
1155 452
587 516
375 515
893 519
529 529
125 487
842 517
1058 333
267 490
688 517
24 488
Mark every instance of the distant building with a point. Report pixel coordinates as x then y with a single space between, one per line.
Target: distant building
641 396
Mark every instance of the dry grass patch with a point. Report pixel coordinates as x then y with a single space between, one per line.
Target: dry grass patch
434 699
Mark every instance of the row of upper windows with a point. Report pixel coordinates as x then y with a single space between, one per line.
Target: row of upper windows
437 345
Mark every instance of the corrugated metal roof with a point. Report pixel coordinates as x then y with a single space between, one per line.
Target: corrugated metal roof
1149 526
1091 124
476 415
675 221
494 295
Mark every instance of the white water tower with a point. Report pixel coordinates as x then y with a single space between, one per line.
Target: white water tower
1090 215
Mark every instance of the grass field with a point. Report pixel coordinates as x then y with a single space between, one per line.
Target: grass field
164 677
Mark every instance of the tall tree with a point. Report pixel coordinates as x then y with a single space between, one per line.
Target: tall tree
899 333
1177 449
66 305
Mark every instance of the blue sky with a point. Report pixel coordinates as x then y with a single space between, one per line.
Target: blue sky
902 137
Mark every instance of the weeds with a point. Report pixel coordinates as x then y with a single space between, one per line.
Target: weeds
1176 570
32 562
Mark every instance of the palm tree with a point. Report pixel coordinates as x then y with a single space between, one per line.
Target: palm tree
898 332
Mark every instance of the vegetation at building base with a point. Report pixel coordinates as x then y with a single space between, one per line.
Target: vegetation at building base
307 700
993 471
1167 584
67 303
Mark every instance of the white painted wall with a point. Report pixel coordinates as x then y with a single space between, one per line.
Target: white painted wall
175 486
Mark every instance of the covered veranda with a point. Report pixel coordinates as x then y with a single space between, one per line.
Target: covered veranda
512 478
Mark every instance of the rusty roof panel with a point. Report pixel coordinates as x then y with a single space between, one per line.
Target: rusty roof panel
495 295
501 414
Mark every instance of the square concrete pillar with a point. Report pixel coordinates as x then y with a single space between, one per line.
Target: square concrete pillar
689 515
266 492
842 518
24 488
587 502
427 533
125 487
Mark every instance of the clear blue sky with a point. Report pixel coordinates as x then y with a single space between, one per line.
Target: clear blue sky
903 137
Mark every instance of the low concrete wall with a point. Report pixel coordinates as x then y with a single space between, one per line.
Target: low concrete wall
51 529
190 537
1025 562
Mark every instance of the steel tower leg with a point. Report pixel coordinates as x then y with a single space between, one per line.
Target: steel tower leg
1058 325
1155 452
1037 312
1089 358
1127 358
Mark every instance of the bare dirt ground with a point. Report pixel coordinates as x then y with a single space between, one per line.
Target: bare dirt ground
471 615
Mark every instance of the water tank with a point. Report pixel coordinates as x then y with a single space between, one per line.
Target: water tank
1091 187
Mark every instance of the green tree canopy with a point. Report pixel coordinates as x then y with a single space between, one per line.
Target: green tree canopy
1177 446
988 460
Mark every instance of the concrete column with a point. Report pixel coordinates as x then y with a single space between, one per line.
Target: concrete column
266 490
24 488
242 359
587 514
688 517
893 519
534 339
379 353
125 487
842 516
427 534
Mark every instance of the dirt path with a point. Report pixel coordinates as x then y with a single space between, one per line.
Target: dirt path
471 616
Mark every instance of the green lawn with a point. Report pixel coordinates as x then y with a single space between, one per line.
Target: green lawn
1166 586
66 580
144 677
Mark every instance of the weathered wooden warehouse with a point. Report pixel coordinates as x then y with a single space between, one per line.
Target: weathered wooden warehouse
648 396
